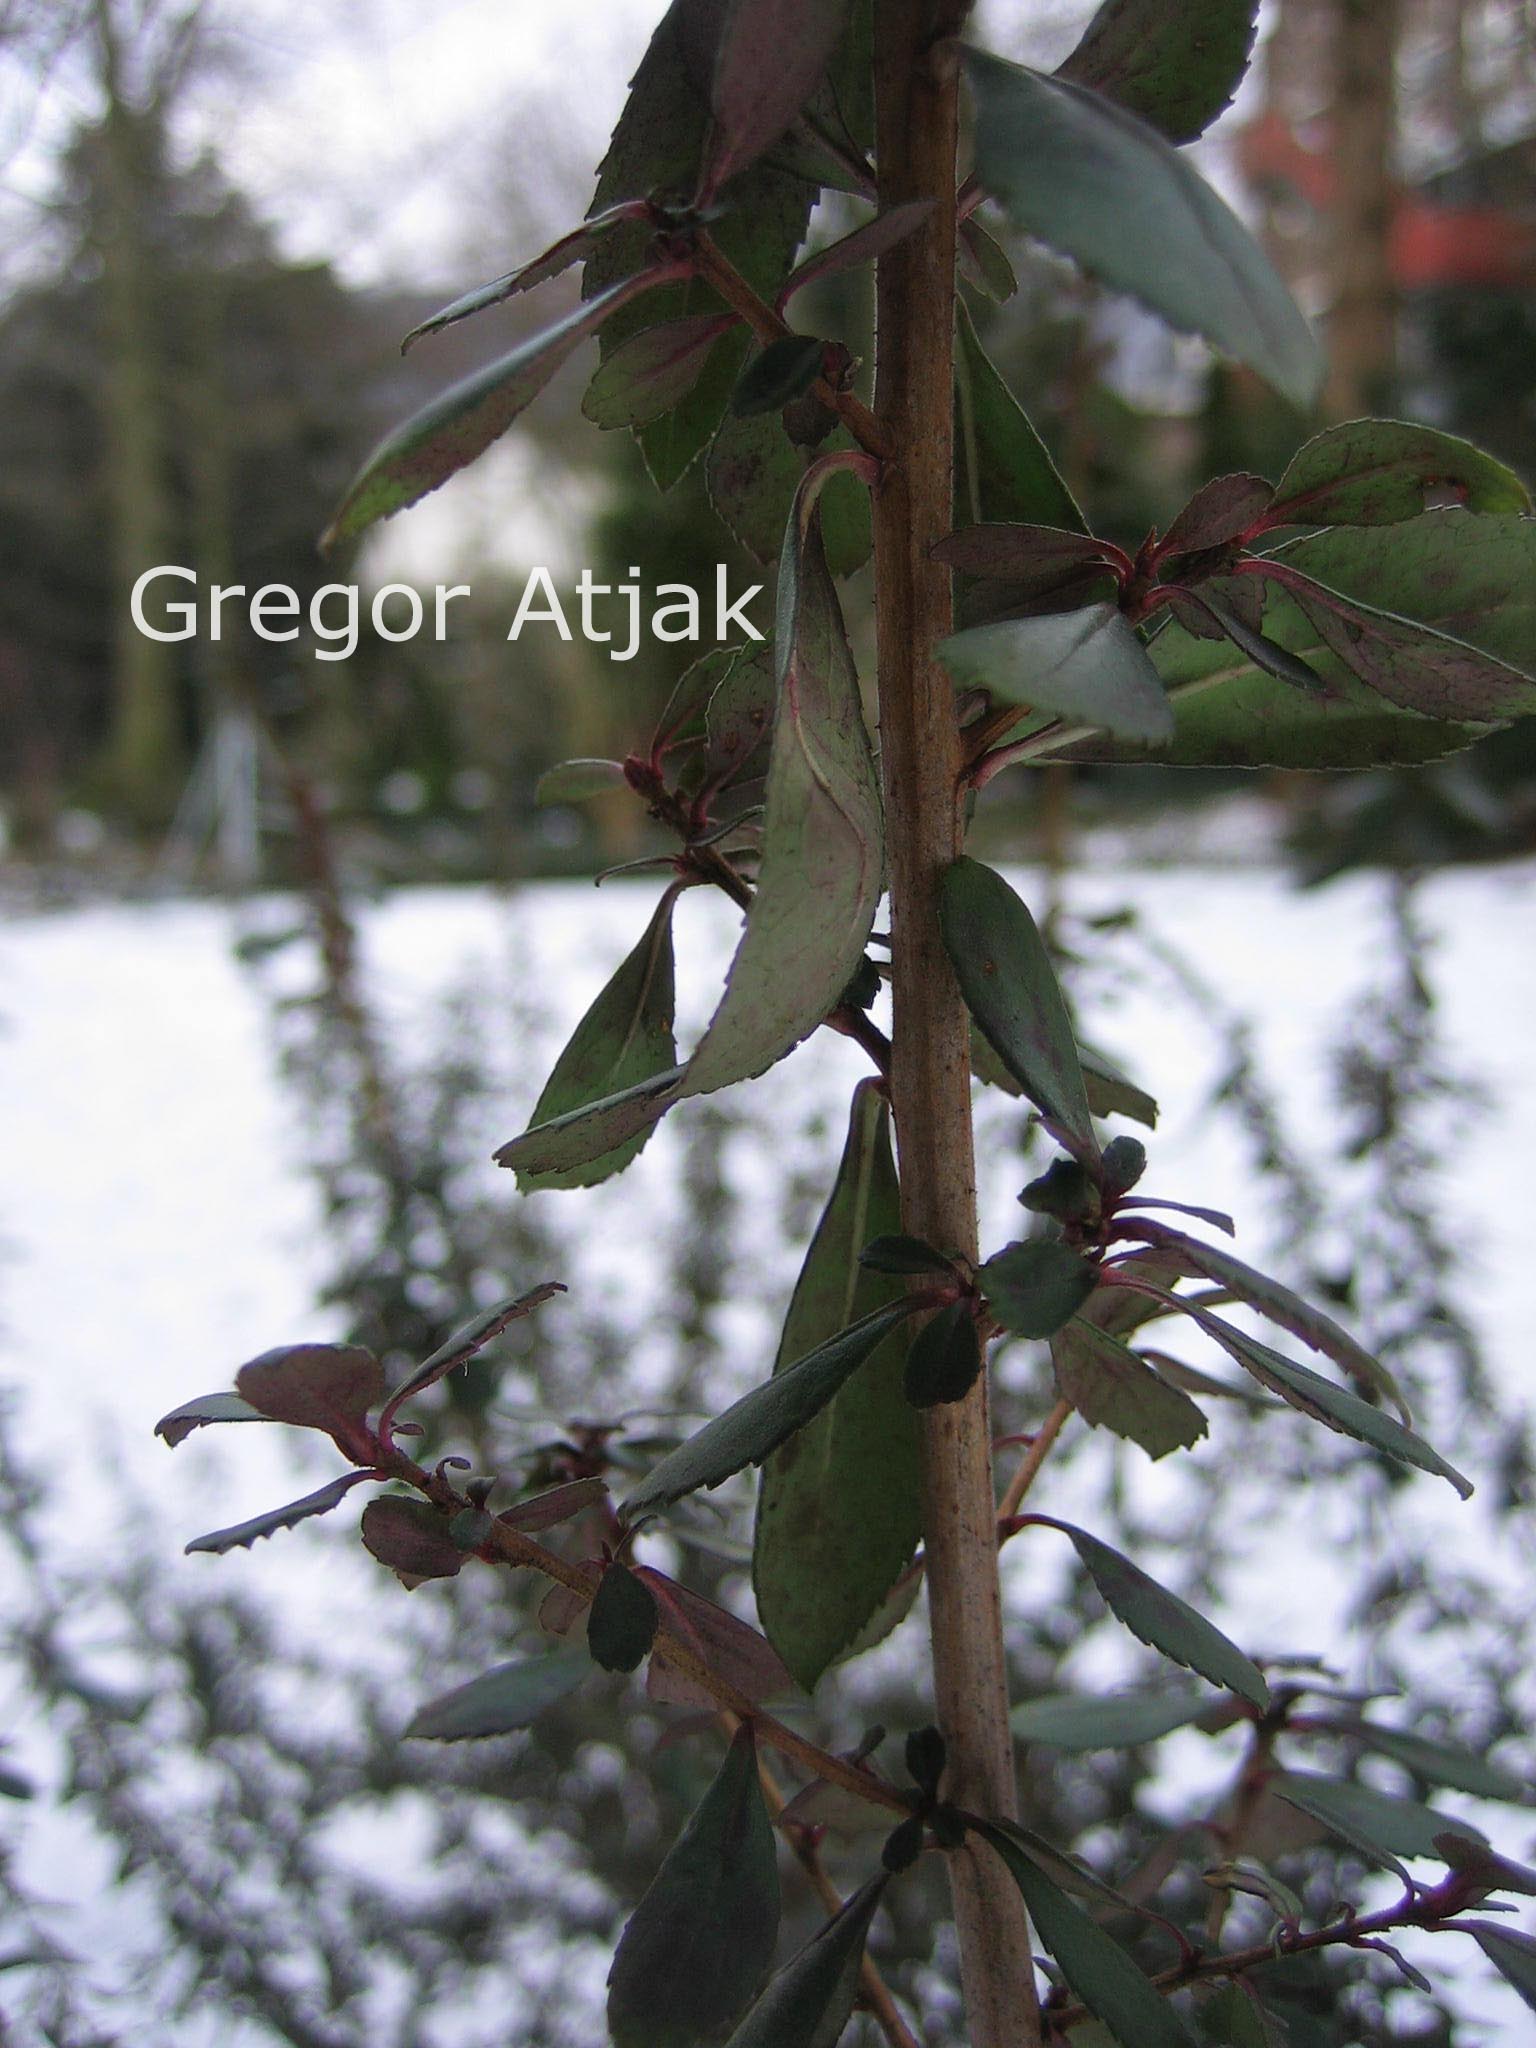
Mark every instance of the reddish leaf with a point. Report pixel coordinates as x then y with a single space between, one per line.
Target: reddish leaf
732 1648
1221 511
1035 560
863 245
180 1423
411 1537
571 248
653 370
317 1386
243 1534
562 1607
770 55
546 1510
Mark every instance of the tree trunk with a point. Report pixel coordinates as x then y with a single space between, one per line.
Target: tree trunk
1362 327
916 98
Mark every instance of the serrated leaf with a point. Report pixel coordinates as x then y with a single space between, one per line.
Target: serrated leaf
572 782
1162 1620
559 256
472 1337
809 2002
1379 472
569 1144
499 1701
625 1040
1472 577
1080 1721
1110 1386
1010 988
944 1359
1096 1967
822 867
180 1423
1220 511
447 435
860 245
622 1620
1278 1303
1099 185
1325 1402
653 371
244 1534
411 1538
1033 1288
316 1386
1378 1823
1033 559
656 150
846 1485
1085 665
698 1944
770 56
766 1417
1177 67
1512 1955
1002 468
1442 1763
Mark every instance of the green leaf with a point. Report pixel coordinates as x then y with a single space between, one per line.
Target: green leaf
570 1143
1327 1403
1233 2019
944 1360
783 371
472 1337
770 56
738 722
764 1418
1378 472
411 1537
1096 1967
571 248
753 473
1078 1721
180 1423
984 262
624 1041
701 1939
1312 1325
244 1534
447 435
653 371
1473 577
657 150
809 2002
896 1253
1085 665
1010 989
622 1620
1512 1955
822 867
316 1386
1097 184
1111 1093
1109 1385
1033 1288
571 782
1177 67
1162 1620
1375 1822
1442 1763
846 1485
501 1700
1002 468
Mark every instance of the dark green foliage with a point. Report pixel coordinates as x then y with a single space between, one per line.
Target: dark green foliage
1033 1288
700 1941
622 1620
499 1701
808 2003
776 375
944 1359
1178 67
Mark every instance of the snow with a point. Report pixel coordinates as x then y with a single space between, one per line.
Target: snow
158 1227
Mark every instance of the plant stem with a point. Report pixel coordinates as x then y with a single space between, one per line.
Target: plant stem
1033 1459
916 93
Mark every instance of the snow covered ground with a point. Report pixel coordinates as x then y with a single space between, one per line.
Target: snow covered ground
156 1228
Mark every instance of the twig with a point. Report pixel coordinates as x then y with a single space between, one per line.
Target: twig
1033 1459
